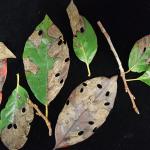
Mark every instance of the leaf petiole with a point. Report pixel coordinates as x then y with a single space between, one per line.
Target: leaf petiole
46 111
18 80
129 80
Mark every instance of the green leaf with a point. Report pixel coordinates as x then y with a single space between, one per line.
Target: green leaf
42 63
139 59
44 57
17 100
145 77
85 44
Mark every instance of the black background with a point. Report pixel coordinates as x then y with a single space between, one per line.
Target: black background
126 21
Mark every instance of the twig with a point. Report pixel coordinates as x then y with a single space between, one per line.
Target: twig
39 113
122 72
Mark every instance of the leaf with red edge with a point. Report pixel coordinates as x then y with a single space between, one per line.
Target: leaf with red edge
4 54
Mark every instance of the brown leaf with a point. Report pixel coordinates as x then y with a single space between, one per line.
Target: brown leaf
58 75
76 20
5 52
86 110
15 135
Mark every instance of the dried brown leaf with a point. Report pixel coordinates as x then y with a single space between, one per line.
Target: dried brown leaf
86 109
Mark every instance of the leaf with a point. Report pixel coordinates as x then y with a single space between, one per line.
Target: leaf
17 100
76 21
3 74
46 61
145 77
15 119
4 54
86 110
85 48
139 59
14 136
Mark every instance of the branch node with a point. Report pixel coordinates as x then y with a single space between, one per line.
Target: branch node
40 114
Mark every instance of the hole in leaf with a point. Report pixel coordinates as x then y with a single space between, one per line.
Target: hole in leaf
80 133
91 122
99 86
107 104
81 90
15 126
57 74
107 93
67 102
75 35
60 42
82 30
95 129
61 81
84 84
9 126
67 59
24 110
40 32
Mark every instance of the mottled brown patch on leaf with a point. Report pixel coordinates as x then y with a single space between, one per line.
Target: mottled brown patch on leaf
30 66
36 38
15 136
76 20
60 66
143 43
54 32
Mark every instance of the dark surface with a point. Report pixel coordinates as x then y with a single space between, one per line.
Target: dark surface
126 21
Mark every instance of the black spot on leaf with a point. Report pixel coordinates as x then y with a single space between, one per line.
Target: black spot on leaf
15 126
24 110
67 59
57 74
80 133
107 104
60 42
81 90
61 81
67 102
84 84
95 129
99 86
9 126
107 93
144 49
82 30
91 122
